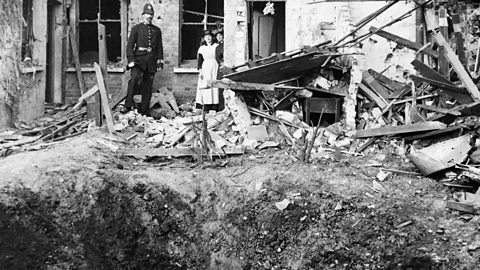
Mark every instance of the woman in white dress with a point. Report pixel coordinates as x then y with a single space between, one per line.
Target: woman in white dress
207 69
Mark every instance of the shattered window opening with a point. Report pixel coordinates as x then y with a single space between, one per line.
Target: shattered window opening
93 12
198 16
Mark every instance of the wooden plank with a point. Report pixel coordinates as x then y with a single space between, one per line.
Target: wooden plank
439 84
104 99
120 96
364 146
394 130
375 86
373 96
22 141
439 110
433 133
457 66
411 99
88 94
78 67
403 41
459 93
443 66
429 73
395 171
462 207
465 109
102 48
144 153
76 58
245 86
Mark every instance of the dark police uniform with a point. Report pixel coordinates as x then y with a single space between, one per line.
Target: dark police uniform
144 48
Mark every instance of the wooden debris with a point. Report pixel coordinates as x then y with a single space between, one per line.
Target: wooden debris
457 66
403 41
439 110
143 153
459 93
179 136
395 171
394 130
23 141
404 224
245 86
104 99
86 95
271 117
462 207
380 101
433 133
442 155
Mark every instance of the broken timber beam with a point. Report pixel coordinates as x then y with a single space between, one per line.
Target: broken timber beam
411 99
78 66
465 110
86 95
394 130
144 153
376 87
380 101
429 73
245 86
457 66
439 110
433 133
403 41
459 93
104 99
462 207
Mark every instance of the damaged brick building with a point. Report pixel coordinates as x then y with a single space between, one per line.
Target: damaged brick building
50 27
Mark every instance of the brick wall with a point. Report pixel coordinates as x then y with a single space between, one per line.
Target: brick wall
167 16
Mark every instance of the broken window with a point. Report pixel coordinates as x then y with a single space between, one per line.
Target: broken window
92 13
198 16
27 29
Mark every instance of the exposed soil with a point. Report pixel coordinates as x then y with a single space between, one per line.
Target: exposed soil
79 206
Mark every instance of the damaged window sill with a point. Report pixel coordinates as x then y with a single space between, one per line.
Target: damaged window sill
25 70
91 69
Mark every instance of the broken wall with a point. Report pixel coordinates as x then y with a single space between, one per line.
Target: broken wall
31 99
309 23
22 91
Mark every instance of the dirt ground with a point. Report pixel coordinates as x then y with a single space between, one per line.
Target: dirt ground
77 205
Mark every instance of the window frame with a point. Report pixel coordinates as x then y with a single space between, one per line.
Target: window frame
204 23
74 15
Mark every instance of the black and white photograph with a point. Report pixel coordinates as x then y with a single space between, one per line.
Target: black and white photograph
239 134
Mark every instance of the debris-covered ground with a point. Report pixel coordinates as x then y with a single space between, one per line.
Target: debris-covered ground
76 205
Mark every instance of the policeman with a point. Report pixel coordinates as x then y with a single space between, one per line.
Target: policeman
145 57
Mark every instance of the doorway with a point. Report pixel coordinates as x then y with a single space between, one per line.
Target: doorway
266 29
